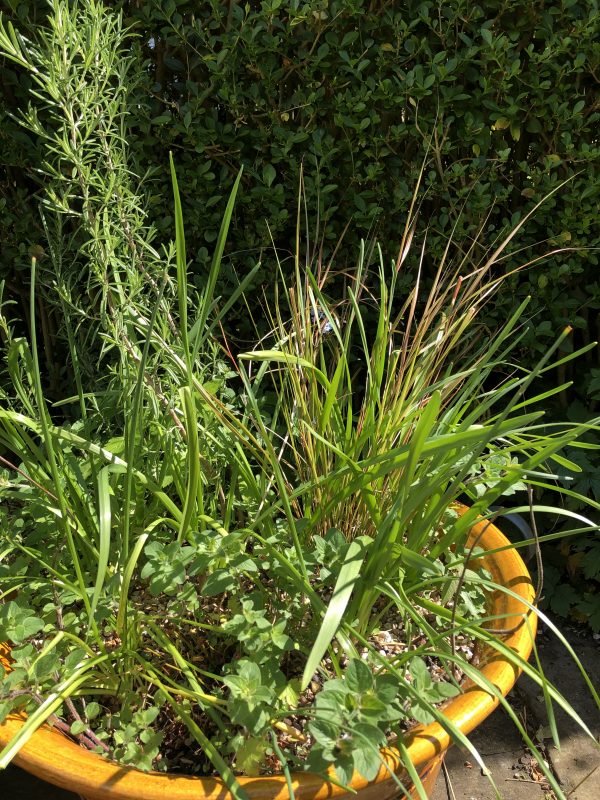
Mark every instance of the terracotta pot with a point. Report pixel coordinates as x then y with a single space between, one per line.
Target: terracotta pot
54 758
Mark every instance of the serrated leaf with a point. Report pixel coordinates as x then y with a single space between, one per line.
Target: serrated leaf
421 713
444 691
386 687
344 769
17 623
290 693
250 672
420 673
324 732
331 703
250 756
280 639
372 706
367 740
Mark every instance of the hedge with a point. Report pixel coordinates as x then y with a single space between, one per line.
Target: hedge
499 100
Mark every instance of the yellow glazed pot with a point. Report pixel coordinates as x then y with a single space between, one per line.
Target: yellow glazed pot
54 758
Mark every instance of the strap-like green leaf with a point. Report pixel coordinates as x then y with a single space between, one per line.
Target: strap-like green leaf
193 463
127 576
104 526
353 561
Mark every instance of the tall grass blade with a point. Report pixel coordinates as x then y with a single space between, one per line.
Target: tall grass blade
181 261
208 295
193 498
126 582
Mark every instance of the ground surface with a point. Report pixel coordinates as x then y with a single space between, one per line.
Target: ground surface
577 765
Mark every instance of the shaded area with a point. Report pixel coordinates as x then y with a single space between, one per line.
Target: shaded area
20 785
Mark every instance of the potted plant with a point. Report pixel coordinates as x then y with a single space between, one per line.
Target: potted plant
275 590
274 573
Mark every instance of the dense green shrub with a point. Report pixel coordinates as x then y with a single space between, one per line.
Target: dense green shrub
501 102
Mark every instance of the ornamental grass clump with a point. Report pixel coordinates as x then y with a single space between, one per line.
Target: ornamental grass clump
264 568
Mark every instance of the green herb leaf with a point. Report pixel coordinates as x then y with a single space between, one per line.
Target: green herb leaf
359 677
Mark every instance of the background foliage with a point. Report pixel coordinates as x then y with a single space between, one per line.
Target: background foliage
503 103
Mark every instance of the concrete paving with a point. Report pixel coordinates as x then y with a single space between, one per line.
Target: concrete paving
576 765
500 746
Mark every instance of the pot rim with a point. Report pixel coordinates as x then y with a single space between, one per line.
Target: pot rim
54 758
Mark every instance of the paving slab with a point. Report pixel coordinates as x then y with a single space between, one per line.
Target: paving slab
589 789
577 763
501 748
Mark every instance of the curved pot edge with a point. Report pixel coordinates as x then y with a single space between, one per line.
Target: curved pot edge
52 757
